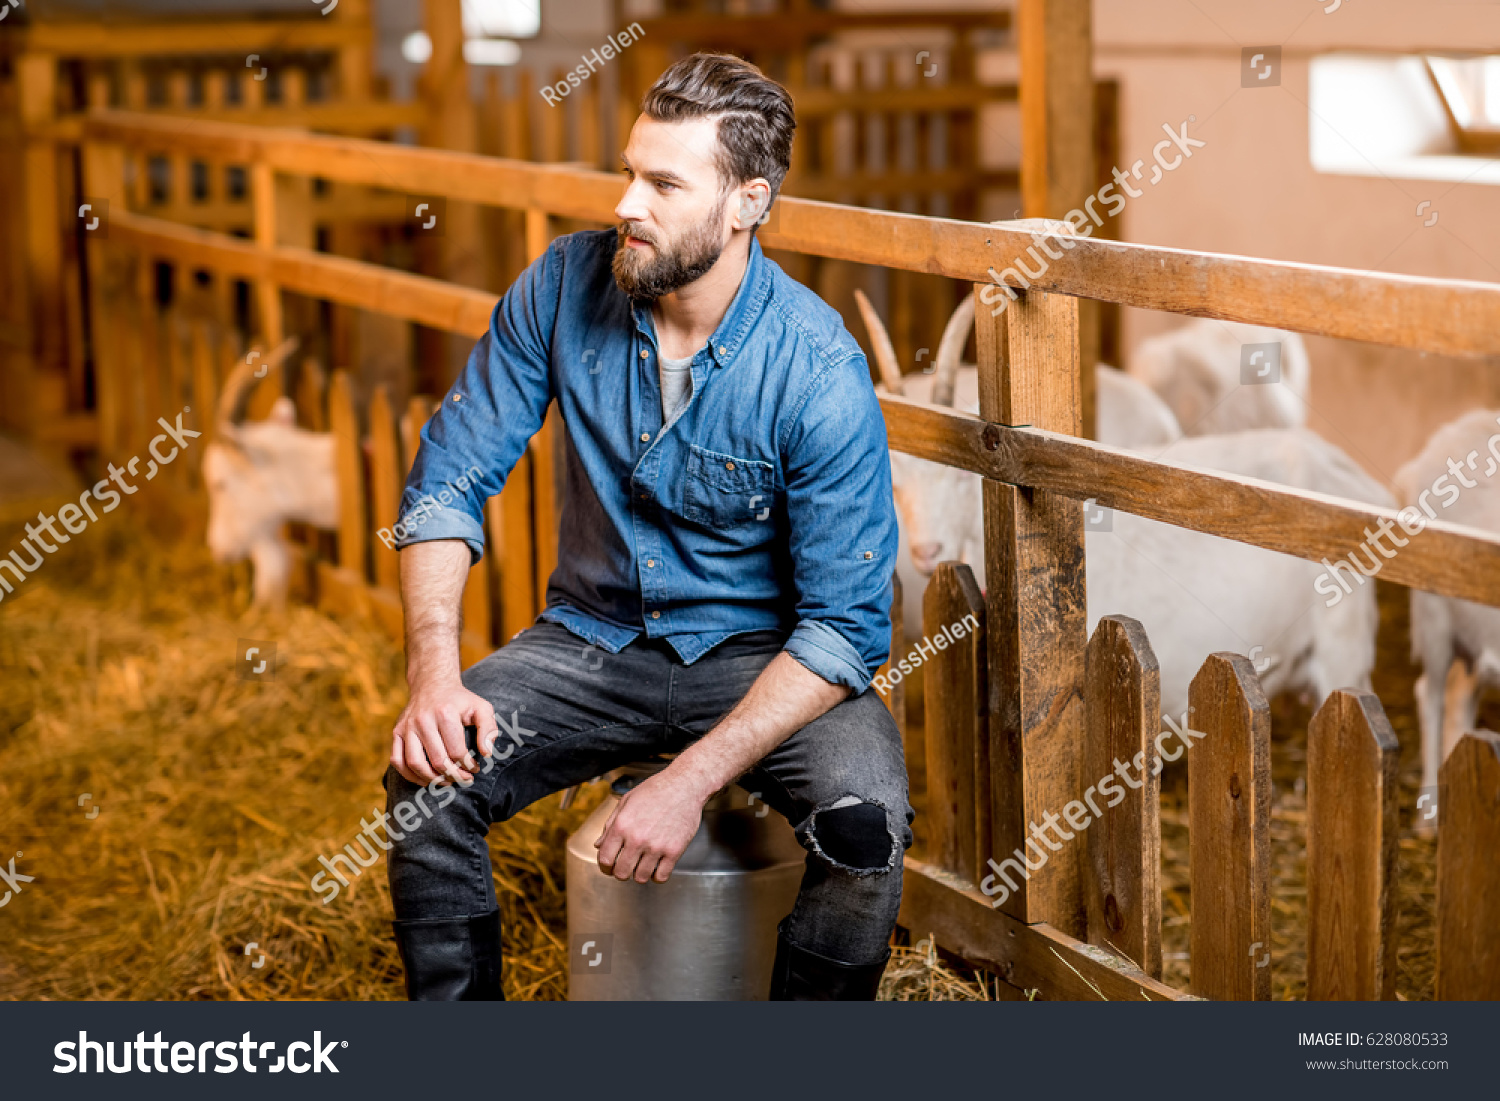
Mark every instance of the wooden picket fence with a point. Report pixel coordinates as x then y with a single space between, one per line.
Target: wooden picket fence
1025 710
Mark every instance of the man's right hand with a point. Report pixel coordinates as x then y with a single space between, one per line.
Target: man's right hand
427 741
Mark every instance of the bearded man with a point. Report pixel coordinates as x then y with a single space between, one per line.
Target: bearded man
725 561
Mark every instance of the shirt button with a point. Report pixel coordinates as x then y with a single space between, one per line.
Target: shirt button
869 554
645 354
645 437
655 615
728 466
722 350
650 562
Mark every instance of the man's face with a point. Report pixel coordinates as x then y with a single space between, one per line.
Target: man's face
673 223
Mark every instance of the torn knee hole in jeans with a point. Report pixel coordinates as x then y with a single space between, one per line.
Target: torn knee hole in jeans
853 835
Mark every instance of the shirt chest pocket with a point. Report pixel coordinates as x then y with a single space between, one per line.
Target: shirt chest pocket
726 492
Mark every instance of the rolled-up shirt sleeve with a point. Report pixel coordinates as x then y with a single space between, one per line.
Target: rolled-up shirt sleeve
842 519
475 438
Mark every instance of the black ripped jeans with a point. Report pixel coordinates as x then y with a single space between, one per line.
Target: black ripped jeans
569 712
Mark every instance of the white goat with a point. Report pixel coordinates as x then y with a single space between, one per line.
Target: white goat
260 475
1204 371
1128 414
1195 594
1443 628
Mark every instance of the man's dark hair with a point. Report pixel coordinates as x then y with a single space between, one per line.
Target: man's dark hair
755 114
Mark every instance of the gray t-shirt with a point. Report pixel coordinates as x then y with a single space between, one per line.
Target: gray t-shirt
676 384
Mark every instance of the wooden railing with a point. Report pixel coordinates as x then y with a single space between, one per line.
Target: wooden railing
1027 705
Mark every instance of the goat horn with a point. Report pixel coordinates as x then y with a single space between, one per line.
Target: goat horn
885 354
950 349
241 380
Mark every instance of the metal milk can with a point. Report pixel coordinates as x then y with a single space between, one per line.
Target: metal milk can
709 932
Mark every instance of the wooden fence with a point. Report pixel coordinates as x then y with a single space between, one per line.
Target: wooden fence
1025 710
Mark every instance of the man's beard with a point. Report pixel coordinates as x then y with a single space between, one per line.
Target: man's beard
648 278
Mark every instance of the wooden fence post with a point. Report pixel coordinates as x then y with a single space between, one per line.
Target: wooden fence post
1468 875
104 178
1352 761
267 293
1122 709
1036 608
1229 831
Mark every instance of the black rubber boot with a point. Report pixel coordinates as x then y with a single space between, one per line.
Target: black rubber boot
451 959
802 976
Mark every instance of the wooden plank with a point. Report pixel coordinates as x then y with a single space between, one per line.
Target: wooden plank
1353 760
156 38
1447 558
1229 827
385 488
1035 957
338 279
955 726
1450 316
1122 708
1468 875
1036 608
546 506
349 466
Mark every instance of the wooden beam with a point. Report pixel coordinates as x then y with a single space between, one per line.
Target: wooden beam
1445 558
1034 957
319 275
1455 317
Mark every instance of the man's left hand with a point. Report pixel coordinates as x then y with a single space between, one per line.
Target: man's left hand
651 826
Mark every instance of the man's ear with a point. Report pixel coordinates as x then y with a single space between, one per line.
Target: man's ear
754 201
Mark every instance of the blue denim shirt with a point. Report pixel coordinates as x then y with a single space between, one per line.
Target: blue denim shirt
766 502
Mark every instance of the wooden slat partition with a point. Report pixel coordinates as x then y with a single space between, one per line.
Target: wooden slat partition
1468 885
1229 830
349 468
1352 823
958 826
1122 705
386 478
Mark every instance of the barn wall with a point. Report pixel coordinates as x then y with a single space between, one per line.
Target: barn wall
1253 190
